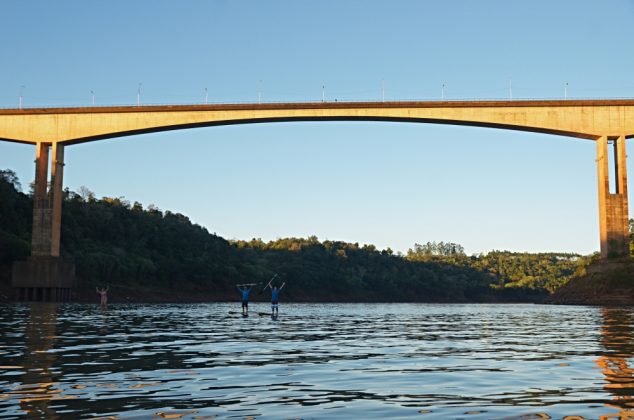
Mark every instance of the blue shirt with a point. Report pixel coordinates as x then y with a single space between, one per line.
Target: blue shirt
275 293
245 294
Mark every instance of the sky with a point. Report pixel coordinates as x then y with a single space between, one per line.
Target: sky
383 183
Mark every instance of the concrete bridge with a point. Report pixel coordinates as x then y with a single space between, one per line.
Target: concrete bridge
45 277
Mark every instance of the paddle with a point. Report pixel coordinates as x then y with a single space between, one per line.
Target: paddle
269 283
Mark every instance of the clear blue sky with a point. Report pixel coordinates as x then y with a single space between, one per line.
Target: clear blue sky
389 184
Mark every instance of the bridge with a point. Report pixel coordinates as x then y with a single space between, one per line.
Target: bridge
46 277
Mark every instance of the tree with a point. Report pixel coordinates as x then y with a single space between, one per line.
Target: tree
446 249
86 195
10 177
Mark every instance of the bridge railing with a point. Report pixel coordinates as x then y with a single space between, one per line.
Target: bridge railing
308 101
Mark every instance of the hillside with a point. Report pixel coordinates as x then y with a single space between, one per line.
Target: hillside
146 254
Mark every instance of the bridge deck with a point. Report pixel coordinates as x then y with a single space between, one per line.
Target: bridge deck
589 119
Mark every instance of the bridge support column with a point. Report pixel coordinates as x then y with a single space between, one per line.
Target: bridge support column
41 230
44 272
613 209
57 197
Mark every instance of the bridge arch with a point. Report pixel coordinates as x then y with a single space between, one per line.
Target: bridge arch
410 120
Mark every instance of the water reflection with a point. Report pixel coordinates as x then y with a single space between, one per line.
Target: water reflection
617 339
38 386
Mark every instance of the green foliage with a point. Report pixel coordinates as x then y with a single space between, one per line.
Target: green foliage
334 270
110 239
9 177
422 252
114 242
16 212
541 271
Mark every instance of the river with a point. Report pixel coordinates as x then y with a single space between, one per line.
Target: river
347 361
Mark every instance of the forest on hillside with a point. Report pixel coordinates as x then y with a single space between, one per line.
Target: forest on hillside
145 253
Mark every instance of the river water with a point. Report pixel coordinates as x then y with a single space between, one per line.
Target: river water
347 361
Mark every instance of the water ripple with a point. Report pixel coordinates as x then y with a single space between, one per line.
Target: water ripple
316 361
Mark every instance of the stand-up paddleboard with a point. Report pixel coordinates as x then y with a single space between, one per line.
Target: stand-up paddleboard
273 317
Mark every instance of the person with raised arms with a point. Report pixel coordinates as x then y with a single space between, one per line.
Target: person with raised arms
245 291
104 296
275 296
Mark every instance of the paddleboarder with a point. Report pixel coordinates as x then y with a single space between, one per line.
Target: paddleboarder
245 291
275 296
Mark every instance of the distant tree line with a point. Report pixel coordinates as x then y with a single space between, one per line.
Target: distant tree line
433 248
147 253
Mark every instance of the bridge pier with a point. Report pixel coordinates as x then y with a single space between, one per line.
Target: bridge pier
45 276
613 207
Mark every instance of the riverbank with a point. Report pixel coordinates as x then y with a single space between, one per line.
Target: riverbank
191 292
605 283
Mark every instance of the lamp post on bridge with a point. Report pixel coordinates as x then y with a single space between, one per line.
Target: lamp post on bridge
138 95
382 90
20 96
